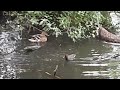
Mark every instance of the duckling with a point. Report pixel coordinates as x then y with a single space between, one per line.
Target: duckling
116 55
70 57
39 37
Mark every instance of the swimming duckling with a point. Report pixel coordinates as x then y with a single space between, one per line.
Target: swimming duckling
69 57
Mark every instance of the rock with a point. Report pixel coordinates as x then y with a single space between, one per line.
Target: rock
103 34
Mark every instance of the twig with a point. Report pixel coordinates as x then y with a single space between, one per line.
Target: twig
32 25
35 27
56 68
50 74
57 77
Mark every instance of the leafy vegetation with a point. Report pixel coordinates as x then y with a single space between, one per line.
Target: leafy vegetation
76 24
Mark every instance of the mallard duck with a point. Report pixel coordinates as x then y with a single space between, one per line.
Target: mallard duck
69 57
39 37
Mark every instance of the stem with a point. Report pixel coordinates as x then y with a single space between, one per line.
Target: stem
56 68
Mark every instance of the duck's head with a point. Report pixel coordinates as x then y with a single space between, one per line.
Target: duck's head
70 57
66 57
44 33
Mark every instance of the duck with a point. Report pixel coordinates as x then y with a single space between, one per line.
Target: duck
39 37
69 57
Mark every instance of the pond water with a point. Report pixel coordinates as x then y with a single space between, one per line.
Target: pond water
94 60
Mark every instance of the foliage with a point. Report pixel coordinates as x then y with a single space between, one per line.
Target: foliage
77 24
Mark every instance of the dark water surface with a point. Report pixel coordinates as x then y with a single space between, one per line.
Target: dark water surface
94 59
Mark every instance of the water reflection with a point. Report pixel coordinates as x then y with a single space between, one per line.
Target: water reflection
7 68
10 66
96 73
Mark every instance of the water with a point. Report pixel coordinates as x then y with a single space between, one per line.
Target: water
41 63
94 60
